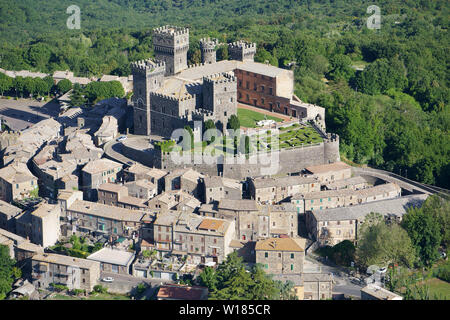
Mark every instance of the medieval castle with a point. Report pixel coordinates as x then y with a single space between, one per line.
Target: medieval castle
169 94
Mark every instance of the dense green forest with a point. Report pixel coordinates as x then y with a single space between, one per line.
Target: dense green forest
386 91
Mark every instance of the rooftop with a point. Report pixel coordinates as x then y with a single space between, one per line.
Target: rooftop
105 211
361 193
45 209
111 187
331 167
238 205
112 256
380 293
64 260
397 206
278 244
9 209
100 165
211 224
283 181
340 184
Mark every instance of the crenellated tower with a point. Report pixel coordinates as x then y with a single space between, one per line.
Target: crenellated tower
148 76
242 51
220 97
208 49
171 45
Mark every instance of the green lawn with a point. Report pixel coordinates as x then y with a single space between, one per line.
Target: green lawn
438 287
248 118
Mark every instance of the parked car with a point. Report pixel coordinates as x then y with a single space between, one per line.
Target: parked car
108 279
121 138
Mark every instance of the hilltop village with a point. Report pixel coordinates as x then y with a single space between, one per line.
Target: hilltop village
102 174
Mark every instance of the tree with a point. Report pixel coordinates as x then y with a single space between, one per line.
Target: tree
64 85
234 123
341 68
49 84
77 98
382 75
41 87
439 209
6 83
29 86
231 281
383 244
19 85
191 137
222 53
209 124
7 271
208 278
425 234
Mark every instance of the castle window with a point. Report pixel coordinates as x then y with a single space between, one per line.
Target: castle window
225 113
262 88
262 101
231 99
247 84
225 89
255 87
270 91
248 98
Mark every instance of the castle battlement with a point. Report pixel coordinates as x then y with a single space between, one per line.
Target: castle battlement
208 44
195 65
219 78
148 66
171 30
242 45
202 112
171 97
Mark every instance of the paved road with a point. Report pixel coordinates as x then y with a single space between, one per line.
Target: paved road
125 283
21 113
342 284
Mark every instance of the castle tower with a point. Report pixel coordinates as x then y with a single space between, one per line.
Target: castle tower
208 49
242 51
220 97
148 76
171 45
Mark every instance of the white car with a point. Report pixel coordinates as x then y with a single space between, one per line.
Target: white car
121 138
108 279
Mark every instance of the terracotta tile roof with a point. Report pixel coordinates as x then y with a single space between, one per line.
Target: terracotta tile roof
278 244
211 224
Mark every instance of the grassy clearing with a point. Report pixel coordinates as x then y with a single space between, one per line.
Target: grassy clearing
248 118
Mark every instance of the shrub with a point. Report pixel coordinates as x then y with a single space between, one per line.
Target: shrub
100 289
141 288
77 292
444 272
58 287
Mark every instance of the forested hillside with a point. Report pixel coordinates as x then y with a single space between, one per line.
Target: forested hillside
386 91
